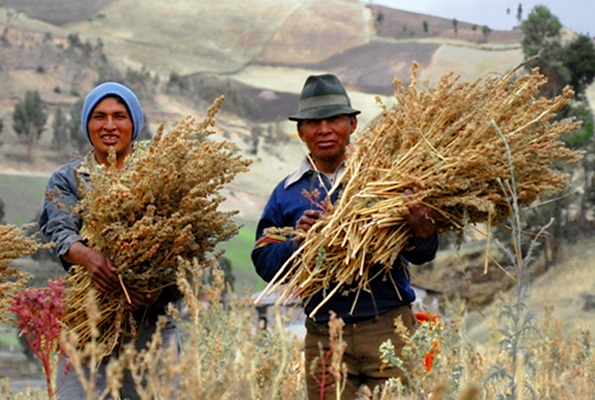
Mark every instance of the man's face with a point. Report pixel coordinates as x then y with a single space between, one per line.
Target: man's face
327 138
110 125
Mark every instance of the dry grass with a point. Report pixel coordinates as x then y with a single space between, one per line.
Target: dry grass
225 356
164 205
445 140
13 244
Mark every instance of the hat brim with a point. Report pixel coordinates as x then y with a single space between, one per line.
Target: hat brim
323 112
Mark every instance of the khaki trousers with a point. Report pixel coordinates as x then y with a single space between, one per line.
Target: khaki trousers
362 355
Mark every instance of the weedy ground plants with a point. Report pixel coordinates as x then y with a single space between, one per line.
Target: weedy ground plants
14 243
224 354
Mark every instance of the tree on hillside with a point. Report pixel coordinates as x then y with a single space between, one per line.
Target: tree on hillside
578 58
77 138
1 127
29 118
425 23
74 40
455 26
541 33
486 32
519 14
60 132
379 19
564 64
4 37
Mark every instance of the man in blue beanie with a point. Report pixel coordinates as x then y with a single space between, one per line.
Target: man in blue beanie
325 122
112 117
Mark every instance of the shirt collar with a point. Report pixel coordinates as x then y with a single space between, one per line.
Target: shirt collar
306 167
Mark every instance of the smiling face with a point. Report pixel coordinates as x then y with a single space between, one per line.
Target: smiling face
110 125
327 139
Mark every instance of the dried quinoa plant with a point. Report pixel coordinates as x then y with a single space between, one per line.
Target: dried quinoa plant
13 244
444 141
223 355
163 205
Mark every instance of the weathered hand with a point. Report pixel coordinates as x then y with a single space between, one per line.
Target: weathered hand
420 217
100 268
308 218
142 300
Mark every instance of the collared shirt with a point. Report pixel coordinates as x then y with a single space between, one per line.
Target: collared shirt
57 222
306 166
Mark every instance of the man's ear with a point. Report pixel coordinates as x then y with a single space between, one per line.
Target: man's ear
299 131
353 121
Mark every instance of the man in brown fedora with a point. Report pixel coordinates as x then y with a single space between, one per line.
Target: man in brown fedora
325 122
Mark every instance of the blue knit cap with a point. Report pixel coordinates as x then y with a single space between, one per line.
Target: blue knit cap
104 90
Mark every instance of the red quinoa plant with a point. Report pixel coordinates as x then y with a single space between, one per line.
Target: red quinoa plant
38 312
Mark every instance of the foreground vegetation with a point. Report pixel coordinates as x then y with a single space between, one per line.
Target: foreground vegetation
226 356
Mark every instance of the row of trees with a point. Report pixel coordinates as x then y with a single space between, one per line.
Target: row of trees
573 64
31 113
203 88
486 30
30 117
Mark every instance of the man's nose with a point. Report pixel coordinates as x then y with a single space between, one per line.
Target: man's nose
324 126
110 124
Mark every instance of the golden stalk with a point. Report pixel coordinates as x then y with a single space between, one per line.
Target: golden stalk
162 206
441 140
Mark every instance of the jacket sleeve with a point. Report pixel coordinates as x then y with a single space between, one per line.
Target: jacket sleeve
420 251
56 222
269 254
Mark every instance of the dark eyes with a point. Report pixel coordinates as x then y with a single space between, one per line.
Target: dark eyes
99 117
329 120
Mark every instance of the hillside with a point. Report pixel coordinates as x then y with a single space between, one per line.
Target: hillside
263 51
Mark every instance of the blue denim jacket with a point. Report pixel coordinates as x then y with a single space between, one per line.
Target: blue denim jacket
58 224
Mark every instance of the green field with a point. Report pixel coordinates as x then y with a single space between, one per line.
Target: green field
237 250
23 198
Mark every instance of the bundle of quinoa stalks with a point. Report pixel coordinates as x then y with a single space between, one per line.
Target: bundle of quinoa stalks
164 205
14 243
451 141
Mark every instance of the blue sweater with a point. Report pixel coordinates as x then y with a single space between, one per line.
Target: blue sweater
283 209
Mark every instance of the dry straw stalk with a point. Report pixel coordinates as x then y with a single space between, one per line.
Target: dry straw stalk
444 141
163 205
14 243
